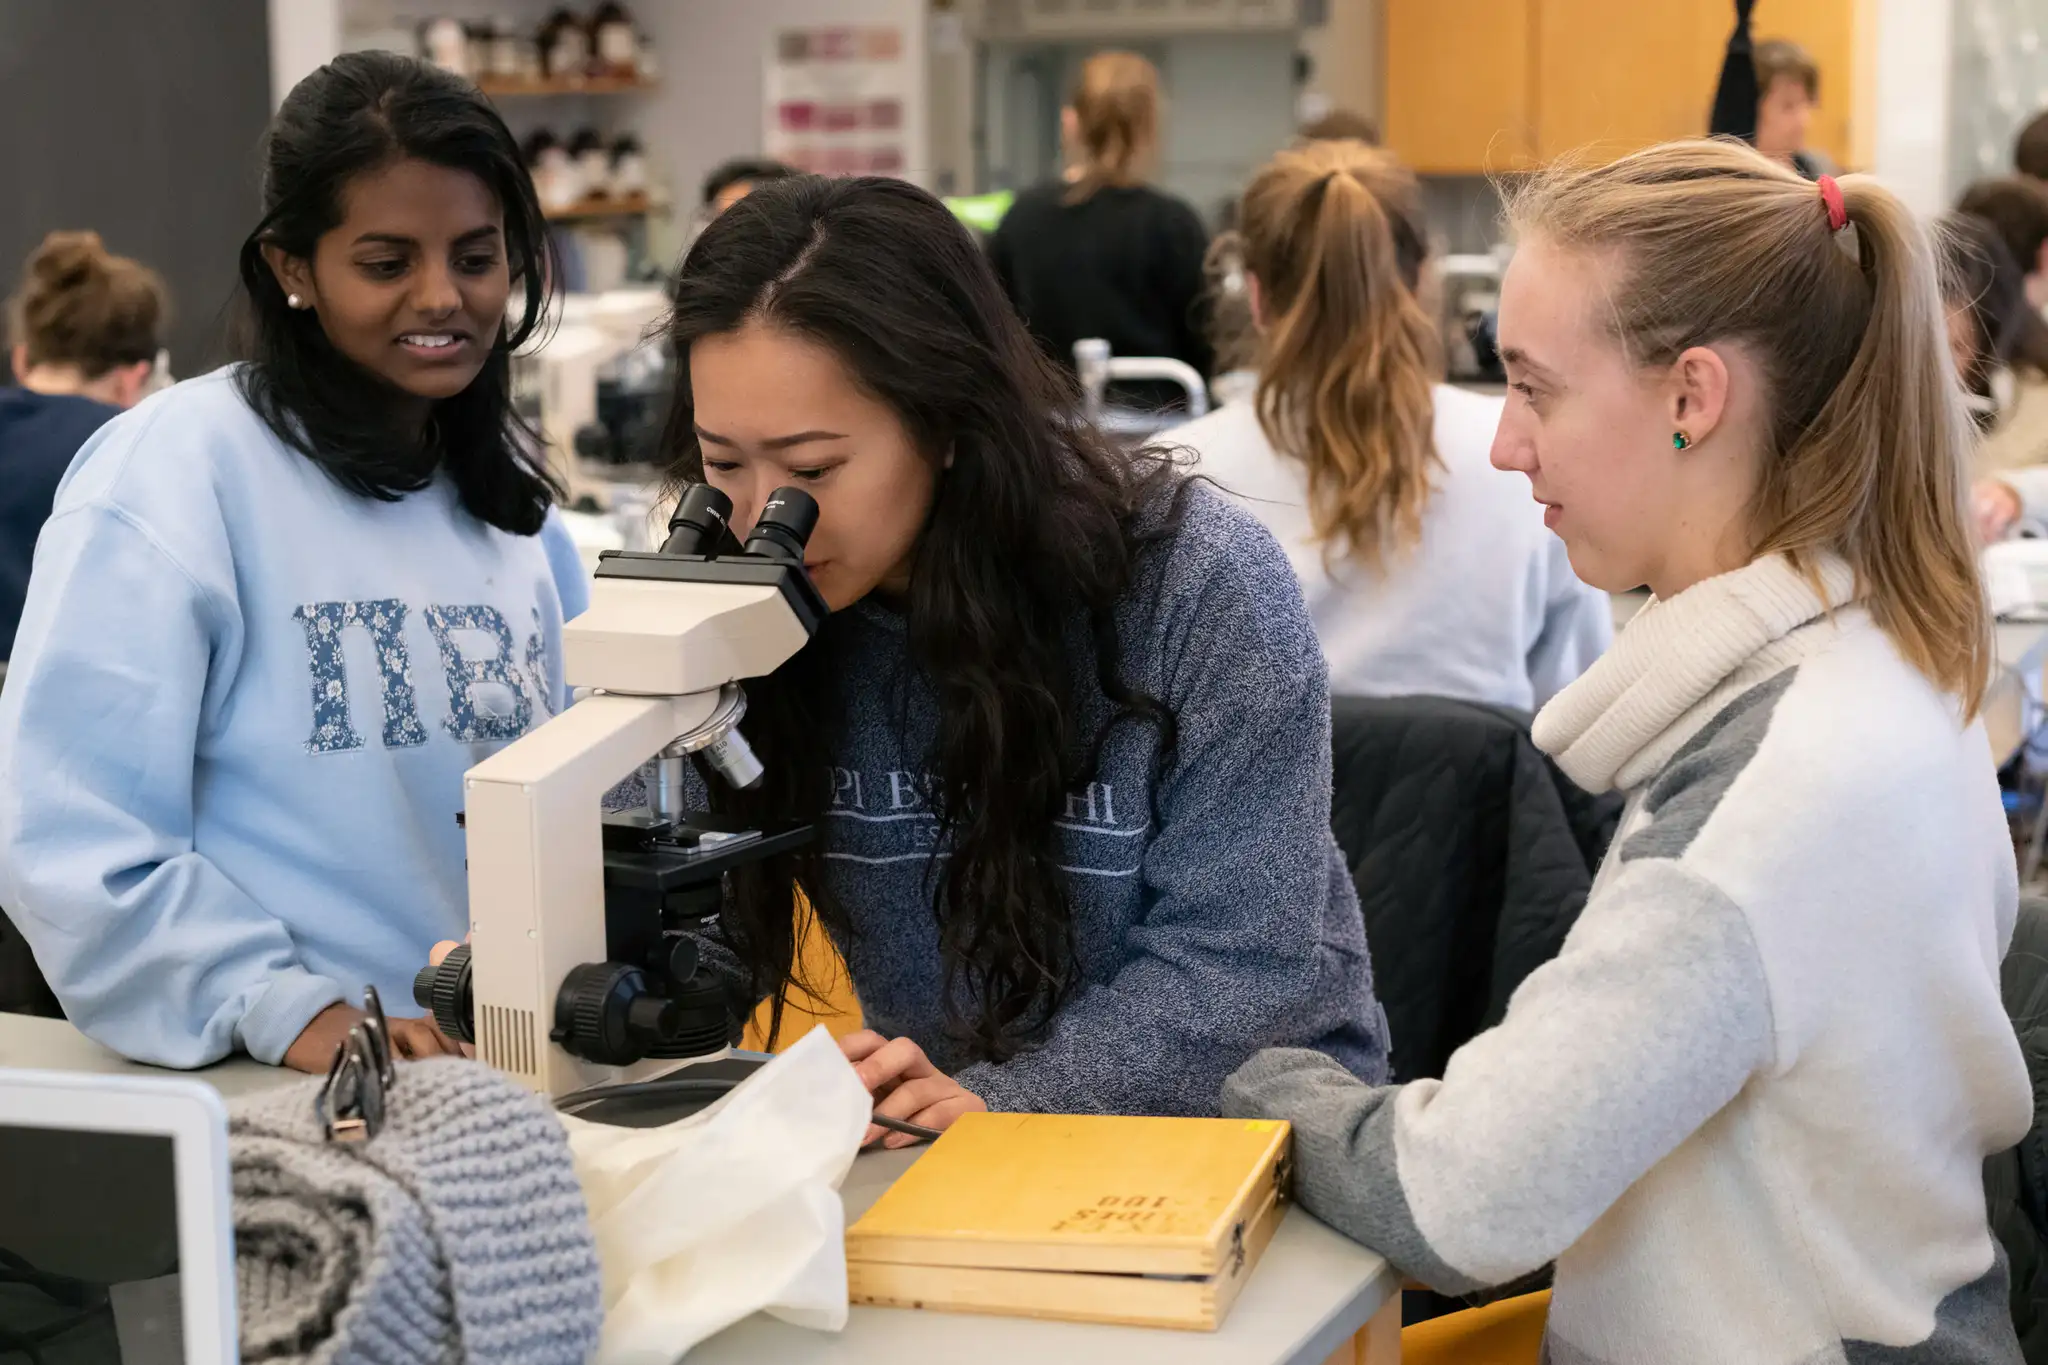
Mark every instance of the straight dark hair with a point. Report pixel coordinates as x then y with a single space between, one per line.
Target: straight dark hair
361 112
1033 539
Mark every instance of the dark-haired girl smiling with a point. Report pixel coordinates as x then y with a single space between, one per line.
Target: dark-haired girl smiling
1066 732
279 610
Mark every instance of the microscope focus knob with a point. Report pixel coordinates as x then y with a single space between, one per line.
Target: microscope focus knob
448 992
606 1013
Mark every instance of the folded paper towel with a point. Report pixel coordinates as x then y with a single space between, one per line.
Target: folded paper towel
458 1233
731 1211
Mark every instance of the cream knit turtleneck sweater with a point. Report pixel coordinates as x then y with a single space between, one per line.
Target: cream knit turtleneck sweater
1747 1106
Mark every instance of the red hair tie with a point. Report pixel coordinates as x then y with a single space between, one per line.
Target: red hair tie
1831 196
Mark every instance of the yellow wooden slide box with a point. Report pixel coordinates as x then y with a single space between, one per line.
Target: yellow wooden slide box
1147 1221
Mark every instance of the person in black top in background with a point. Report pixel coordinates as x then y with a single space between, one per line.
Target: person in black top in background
1766 96
1099 253
84 327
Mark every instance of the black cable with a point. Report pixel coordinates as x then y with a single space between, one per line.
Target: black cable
661 1088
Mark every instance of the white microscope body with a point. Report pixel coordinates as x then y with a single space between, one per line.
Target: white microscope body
662 648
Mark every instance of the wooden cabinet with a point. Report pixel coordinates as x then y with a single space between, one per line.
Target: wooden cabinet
1489 85
1615 75
1460 84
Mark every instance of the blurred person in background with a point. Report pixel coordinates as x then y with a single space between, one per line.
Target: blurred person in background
2017 207
2015 381
85 328
1788 91
735 179
1231 333
1341 125
1999 346
2030 148
1426 570
1099 253
1766 96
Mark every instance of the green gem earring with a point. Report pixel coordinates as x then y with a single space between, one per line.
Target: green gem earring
1679 440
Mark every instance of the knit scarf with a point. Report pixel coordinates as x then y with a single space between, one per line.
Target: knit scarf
1680 661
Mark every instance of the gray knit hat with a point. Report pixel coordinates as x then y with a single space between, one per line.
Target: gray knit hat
458 1233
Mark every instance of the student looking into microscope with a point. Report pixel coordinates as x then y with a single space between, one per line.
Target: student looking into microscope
1066 731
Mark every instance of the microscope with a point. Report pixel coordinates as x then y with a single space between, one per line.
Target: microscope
582 965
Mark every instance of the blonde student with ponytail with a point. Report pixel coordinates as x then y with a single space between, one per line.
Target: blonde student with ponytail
1426 570
1746 1109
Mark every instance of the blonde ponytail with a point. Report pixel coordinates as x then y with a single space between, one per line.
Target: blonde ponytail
1866 443
1332 231
1116 112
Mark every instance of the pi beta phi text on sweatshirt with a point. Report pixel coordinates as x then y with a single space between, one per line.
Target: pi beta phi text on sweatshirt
1213 912
236 721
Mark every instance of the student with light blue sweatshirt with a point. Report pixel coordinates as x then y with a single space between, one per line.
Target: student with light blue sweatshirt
279 610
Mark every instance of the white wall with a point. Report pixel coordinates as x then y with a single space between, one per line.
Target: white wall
1230 106
304 36
713 56
2000 81
1346 57
1903 97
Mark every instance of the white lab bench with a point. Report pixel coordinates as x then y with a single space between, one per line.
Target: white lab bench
1313 1292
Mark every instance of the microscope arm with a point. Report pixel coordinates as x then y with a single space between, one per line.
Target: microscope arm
536 868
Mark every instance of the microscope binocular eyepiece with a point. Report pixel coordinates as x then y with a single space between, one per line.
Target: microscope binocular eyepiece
784 526
780 532
699 522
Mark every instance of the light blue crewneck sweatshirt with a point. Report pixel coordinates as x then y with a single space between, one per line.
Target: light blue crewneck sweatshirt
235 725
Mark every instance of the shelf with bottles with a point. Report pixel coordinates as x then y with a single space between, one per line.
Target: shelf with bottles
499 87
601 206
591 175
602 53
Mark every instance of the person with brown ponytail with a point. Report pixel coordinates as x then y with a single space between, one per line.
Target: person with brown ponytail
84 329
1746 1108
1098 252
1426 570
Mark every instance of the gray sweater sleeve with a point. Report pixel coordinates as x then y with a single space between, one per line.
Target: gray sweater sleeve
1654 1017
1248 903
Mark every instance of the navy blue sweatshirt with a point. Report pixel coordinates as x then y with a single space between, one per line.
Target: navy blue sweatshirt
39 433
1227 926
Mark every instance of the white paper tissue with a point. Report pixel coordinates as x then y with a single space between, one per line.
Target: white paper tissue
731 1211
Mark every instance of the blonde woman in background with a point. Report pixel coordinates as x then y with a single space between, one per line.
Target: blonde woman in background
85 326
1100 253
1426 570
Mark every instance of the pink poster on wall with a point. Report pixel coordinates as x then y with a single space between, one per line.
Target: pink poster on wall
836 99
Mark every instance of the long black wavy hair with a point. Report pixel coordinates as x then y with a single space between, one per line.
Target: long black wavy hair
360 112
1035 531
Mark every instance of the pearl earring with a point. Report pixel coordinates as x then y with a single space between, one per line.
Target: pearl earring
292 301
